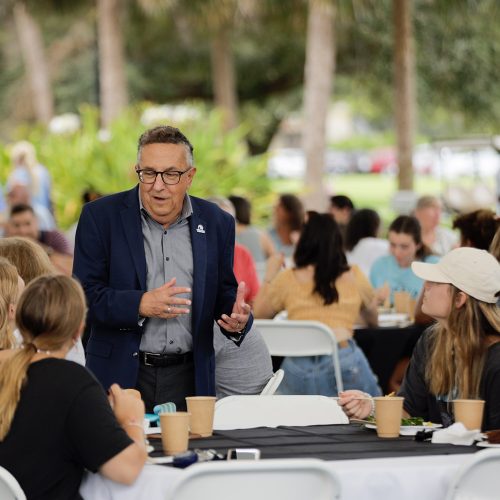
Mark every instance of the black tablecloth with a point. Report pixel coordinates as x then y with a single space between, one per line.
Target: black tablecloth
327 442
384 347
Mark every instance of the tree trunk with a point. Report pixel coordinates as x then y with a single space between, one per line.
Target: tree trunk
223 76
404 77
112 78
319 68
33 52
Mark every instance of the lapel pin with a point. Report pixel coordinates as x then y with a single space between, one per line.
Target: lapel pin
200 229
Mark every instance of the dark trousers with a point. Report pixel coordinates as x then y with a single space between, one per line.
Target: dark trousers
159 385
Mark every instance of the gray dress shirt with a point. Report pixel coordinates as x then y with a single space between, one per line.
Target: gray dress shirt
168 255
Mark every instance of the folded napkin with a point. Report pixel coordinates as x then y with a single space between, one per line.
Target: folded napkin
456 434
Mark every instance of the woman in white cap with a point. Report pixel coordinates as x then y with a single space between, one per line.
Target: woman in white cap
458 357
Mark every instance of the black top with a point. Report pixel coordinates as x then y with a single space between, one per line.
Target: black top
419 402
63 424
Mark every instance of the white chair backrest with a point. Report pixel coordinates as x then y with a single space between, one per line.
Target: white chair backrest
260 479
9 487
478 479
300 338
273 384
246 412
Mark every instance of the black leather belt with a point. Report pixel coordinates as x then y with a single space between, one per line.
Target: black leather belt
161 360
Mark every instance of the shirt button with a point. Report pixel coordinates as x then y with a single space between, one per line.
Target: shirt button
178 350
171 342
135 354
165 232
167 258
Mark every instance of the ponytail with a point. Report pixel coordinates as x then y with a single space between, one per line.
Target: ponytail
12 378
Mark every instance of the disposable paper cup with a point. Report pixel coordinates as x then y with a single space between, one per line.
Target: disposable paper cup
133 392
174 432
388 413
469 412
402 302
201 409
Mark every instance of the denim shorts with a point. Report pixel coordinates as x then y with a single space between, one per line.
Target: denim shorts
315 374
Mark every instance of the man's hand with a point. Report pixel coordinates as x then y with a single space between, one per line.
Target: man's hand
163 303
241 312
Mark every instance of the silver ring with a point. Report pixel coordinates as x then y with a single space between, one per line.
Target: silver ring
238 325
168 310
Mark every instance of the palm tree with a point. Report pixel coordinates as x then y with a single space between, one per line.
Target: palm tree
35 61
318 79
112 77
216 18
404 88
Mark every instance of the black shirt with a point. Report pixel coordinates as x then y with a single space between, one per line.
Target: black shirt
419 402
62 424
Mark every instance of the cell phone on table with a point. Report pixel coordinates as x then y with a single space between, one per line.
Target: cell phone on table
243 454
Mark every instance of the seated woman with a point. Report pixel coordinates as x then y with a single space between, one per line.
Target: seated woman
458 357
11 286
405 246
363 247
56 420
324 288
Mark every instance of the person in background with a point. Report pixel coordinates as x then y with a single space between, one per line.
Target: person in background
11 286
477 228
428 213
256 241
29 172
23 222
405 246
321 287
342 208
19 194
243 369
56 420
31 261
458 357
288 220
362 245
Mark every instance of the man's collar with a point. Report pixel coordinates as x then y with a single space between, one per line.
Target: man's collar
187 209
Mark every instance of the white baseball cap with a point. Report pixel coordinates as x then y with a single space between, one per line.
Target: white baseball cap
473 271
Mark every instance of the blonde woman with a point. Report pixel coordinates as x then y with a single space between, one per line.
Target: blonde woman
56 420
31 262
11 286
458 357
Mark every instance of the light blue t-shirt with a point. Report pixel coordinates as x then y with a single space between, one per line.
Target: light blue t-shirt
400 279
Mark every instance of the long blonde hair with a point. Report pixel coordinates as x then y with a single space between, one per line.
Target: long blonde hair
29 257
49 313
458 348
9 295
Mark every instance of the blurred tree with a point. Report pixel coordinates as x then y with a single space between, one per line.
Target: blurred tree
35 61
404 90
217 19
318 78
112 78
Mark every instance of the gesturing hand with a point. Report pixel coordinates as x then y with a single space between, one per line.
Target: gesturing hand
240 314
163 303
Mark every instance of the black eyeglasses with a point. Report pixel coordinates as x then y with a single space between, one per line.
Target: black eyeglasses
170 177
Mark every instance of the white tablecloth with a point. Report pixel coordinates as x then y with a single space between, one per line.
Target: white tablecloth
368 479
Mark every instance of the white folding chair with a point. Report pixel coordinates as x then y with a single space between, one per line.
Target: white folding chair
273 384
9 487
478 479
246 412
300 338
261 479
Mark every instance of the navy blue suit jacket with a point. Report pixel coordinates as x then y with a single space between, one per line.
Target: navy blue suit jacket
110 263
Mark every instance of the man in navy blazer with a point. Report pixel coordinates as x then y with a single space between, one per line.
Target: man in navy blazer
157 269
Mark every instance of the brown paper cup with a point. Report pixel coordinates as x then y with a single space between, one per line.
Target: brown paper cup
402 302
388 413
133 392
174 432
469 412
201 409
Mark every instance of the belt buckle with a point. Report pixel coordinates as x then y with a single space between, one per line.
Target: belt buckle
146 356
